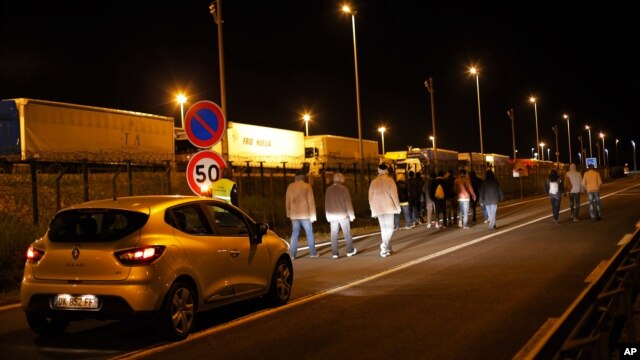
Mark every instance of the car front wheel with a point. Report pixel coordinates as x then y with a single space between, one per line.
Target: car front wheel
46 325
176 318
281 283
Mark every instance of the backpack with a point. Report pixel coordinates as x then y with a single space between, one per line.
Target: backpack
439 192
553 187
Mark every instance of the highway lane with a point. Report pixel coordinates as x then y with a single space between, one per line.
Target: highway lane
448 293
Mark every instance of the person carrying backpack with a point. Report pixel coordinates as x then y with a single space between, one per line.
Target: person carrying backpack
439 197
554 187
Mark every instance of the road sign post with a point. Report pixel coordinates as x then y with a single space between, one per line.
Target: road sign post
204 169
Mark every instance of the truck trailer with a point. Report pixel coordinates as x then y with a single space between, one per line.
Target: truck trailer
50 132
330 151
251 145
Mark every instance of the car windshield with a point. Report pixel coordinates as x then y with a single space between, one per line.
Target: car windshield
95 225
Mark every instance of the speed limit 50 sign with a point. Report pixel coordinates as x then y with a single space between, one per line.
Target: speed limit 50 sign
204 168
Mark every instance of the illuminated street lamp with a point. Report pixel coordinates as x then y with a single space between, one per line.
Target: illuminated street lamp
590 148
473 71
606 155
532 150
580 157
535 155
617 161
433 141
382 130
511 115
548 154
634 155
535 109
347 10
306 118
181 99
542 152
568 135
604 163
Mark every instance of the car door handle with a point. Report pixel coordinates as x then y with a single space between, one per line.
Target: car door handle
234 253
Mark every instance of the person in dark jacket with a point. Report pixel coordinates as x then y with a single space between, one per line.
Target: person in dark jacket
554 187
476 183
415 184
403 197
490 195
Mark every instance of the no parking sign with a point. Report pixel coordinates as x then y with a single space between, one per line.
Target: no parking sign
203 169
205 124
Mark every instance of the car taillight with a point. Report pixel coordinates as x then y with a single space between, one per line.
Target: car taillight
34 255
139 256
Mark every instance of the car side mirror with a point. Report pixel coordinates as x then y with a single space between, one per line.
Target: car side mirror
260 230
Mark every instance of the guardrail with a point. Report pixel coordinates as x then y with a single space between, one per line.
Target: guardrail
591 327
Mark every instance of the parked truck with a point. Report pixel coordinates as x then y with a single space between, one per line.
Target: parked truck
251 145
330 151
50 132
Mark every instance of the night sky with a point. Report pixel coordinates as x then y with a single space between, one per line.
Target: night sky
286 57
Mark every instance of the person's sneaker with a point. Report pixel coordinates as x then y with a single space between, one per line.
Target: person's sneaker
353 252
407 227
386 253
486 221
428 225
336 256
314 255
576 219
460 224
465 227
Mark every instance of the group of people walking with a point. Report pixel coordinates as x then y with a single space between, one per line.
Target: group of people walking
574 184
388 199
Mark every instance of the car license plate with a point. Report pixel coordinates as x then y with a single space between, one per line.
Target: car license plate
65 301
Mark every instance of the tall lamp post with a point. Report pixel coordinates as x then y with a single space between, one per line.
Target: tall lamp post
532 152
215 8
535 112
604 160
542 152
634 155
555 130
429 85
568 135
511 115
617 161
181 99
306 118
582 151
347 10
473 71
382 130
590 148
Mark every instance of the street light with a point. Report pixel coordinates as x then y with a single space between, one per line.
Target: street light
604 163
429 85
580 157
606 153
542 152
382 130
532 152
535 109
568 135
617 161
181 99
306 117
634 155
474 71
548 156
347 10
555 130
513 131
590 148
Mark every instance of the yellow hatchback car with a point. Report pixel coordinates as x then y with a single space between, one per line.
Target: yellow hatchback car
161 257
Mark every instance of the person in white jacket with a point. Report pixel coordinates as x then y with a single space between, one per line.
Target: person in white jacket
573 181
301 209
384 203
339 212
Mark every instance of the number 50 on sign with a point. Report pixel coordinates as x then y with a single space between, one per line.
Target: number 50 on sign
204 168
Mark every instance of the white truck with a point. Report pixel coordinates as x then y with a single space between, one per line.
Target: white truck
251 145
52 132
331 150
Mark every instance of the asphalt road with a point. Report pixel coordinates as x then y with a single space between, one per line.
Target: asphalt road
445 294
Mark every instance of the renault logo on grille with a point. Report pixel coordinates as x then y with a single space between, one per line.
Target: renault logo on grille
75 252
